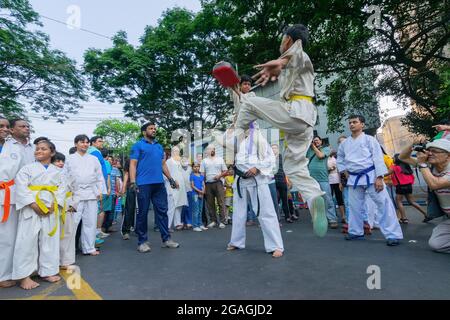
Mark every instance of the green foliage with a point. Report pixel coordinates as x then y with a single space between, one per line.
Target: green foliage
32 74
168 77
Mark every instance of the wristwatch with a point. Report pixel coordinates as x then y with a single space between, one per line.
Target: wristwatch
422 165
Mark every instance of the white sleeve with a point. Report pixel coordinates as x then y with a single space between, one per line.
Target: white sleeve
24 196
377 154
340 160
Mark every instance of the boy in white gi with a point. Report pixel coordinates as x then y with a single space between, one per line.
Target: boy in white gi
295 114
15 153
256 160
89 185
41 190
68 231
361 159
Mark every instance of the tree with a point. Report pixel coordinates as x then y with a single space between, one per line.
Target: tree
30 72
120 135
168 77
403 56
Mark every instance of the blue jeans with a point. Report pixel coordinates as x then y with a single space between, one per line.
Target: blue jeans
157 194
197 205
186 214
331 210
251 215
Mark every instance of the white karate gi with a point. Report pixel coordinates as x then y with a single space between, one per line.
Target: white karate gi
268 217
89 184
179 196
296 118
356 155
35 249
67 243
11 160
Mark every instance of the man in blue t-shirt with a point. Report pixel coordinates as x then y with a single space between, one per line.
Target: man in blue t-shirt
147 165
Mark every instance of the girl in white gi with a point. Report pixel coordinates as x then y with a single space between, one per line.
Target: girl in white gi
361 158
295 114
256 160
41 190
178 197
10 163
89 185
68 231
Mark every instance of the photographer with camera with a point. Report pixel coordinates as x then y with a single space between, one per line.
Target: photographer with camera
434 164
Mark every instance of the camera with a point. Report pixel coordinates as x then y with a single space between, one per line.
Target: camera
420 147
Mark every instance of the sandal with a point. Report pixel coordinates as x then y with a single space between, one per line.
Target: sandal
404 221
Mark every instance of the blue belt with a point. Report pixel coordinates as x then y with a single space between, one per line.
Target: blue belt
360 174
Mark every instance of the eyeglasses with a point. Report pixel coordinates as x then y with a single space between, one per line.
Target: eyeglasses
436 151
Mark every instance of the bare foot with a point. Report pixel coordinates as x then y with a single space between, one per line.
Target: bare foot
277 254
28 284
95 253
231 248
7 284
52 279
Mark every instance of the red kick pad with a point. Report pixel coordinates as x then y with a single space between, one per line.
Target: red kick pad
225 74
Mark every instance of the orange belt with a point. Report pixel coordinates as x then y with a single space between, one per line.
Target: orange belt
7 203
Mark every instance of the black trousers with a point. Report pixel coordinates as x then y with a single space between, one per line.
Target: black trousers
109 215
282 192
129 212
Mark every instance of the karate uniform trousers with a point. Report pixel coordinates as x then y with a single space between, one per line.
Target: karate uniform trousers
387 218
268 219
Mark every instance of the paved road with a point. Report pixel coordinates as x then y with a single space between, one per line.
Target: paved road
312 268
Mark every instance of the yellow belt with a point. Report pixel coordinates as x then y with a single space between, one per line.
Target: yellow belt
64 210
299 97
41 204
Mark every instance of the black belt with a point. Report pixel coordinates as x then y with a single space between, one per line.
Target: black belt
242 175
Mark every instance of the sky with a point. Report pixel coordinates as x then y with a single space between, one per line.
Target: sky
105 18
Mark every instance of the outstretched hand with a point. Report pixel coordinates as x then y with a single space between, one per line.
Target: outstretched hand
269 71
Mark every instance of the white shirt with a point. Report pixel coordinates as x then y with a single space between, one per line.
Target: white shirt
211 167
27 150
333 176
87 174
356 155
247 159
443 195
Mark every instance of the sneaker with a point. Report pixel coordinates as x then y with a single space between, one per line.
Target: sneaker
145 247
392 242
99 242
197 229
333 225
170 244
354 237
222 226
103 235
212 225
126 236
320 222
203 228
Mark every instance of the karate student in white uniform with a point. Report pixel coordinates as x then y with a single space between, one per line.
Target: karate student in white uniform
15 153
40 192
255 158
89 185
178 195
295 114
361 158
68 231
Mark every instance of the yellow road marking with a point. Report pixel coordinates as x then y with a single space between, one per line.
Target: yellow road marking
85 292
